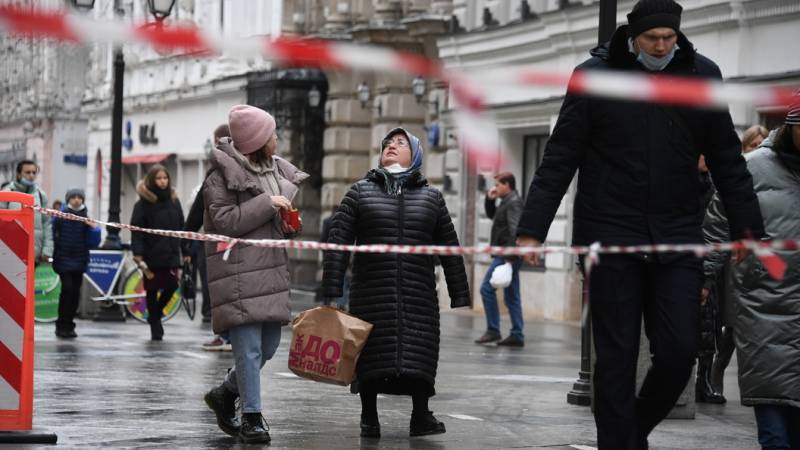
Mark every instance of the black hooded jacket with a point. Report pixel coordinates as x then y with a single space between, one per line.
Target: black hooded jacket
162 212
637 162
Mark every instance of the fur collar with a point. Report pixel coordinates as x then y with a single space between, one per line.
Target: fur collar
149 196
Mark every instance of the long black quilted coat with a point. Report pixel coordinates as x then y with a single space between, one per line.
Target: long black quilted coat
394 292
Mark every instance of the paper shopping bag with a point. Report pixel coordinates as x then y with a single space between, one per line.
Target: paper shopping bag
325 345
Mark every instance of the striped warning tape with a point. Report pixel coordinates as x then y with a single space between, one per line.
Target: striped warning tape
478 138
762 249
341 55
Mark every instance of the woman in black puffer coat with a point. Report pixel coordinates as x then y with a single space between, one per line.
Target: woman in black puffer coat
396 292
159 257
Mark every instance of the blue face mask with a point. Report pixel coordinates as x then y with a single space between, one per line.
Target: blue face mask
655 63
25 182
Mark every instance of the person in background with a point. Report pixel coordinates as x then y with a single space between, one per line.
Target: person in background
25 182
57 205
159 257
244 196
710 323
752 138
73 240
396 293
504 233
717 306
767 320
197 253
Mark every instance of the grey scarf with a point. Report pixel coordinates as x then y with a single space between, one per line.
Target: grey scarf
265 173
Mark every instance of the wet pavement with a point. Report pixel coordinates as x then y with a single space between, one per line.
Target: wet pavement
112 387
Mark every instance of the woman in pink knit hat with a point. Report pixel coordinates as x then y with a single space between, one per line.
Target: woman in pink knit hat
243 197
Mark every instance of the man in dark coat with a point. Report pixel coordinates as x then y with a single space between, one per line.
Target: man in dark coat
638 184
396 292
504 232
196 252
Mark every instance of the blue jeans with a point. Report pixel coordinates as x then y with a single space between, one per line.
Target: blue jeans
253 345
778 427
512 299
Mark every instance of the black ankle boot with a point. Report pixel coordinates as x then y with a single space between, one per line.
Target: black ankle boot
156 331
255 429
703 389
423 424
223 403
370 426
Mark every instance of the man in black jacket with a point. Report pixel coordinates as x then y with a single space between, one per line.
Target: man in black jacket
197 253
638 184
504 231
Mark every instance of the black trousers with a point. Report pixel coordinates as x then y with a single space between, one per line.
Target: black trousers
155 305
199 266
68 300
622 289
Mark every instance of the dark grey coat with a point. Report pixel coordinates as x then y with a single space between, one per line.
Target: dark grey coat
767 327
253 285
505 219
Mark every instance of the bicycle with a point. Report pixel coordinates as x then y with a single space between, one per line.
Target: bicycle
136 303
130 292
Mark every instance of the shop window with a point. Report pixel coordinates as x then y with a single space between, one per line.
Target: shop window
532 154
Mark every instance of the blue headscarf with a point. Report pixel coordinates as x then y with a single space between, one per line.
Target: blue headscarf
394 182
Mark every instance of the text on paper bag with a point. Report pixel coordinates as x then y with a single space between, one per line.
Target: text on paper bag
316 355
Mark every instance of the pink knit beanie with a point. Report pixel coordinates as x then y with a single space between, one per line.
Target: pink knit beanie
251 128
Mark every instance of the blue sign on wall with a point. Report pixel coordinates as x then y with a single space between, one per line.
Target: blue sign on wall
75 158
104 269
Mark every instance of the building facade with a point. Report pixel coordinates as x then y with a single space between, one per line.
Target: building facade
41 87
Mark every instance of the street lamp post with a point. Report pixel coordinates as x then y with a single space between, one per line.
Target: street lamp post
581 393
113 241
160 10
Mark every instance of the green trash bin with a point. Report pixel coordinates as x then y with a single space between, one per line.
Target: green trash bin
47 286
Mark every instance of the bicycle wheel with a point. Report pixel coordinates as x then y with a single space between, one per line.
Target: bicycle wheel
137 306
190 305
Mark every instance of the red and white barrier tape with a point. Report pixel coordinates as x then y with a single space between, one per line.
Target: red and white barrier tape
478 137
762 249
340 55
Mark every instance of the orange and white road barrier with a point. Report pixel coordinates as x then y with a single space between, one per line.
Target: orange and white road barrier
16 313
